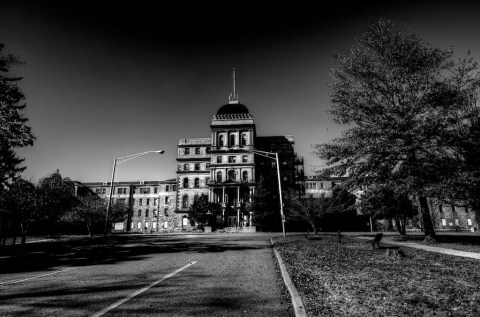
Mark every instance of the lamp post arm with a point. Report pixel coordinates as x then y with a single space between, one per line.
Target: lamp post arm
138 154
123 160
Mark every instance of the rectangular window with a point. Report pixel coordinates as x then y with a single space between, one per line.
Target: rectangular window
197 166
167 188
155 201
469 222
139 225
456 222
197 150
140 201
100 191
232 159
122 201
444 222
207 166
186 167
219 159
244 158
148 202
174 188
155 190
166 200
146 213
285 178
121 191
187 151
274 165
284 163
145 190
154 224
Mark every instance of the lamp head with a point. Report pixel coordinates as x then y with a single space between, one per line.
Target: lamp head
160 151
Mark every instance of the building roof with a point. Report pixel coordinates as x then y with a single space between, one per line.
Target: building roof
232 108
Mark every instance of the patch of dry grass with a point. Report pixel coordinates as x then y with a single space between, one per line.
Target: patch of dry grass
351 279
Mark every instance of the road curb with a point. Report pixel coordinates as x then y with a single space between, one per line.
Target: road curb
297 302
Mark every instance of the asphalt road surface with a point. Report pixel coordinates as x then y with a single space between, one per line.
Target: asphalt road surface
147 275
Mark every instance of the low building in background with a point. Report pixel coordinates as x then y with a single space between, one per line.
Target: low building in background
152 204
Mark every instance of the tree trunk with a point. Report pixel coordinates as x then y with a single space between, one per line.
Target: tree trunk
427 219
24 227
398 224
89 230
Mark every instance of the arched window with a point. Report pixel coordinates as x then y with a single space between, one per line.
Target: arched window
232 139
232 175
185 182
197 183
185 201
219 177
245 176
221 140
244 139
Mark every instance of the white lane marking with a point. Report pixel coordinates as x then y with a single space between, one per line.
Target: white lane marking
34 277
140 291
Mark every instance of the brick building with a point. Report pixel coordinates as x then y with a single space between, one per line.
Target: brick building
153 204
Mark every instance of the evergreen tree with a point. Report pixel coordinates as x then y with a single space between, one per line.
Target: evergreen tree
14 132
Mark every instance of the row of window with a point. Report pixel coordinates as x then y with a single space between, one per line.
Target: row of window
146 201
196 182
141 190
314 185
233 140
232 176
196 151
232 159
147 212
196 167
457 223
453 208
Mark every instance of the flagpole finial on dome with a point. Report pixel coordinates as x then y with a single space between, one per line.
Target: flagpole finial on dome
233 97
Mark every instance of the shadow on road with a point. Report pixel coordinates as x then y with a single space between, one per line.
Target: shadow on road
109 250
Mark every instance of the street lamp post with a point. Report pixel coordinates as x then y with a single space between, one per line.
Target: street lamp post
270 156
116 161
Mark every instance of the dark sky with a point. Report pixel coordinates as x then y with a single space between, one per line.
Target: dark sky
104 81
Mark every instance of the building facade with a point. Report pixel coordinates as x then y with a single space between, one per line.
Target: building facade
225 168
152 204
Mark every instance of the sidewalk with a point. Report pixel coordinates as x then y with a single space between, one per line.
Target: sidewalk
390 241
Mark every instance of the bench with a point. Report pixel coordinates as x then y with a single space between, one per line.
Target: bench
376 240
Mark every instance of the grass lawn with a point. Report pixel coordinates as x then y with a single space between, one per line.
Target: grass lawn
351 279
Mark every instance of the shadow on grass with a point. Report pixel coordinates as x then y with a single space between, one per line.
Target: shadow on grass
112 249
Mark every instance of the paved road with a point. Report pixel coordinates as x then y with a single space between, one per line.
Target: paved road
181 275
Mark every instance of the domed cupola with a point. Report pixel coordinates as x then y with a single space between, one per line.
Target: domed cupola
234 109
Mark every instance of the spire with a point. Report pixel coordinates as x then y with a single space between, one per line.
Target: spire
233 97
